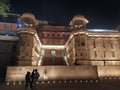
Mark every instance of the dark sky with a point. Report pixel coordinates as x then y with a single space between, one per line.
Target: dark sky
104 14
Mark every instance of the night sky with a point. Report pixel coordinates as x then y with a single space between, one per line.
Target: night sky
103 14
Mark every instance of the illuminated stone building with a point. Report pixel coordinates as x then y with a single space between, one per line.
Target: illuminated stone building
90 47
34 44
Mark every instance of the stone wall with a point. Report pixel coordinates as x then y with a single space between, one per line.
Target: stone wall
53 72
108 71
63 72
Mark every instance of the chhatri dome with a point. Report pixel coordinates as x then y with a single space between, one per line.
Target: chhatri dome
28 18
78 19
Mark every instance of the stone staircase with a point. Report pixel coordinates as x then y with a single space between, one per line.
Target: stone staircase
53 61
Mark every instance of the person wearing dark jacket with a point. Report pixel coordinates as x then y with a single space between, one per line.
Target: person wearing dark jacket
34 78
27 80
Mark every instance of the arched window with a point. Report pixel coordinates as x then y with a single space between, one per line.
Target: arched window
42 53
63 53
53 53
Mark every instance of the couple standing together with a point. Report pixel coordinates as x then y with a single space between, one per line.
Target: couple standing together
31 79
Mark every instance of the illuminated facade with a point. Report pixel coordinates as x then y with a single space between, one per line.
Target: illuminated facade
81 46
31 43
39 44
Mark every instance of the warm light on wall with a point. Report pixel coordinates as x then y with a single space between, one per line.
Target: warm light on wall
71 36
37 38
53 46
40 60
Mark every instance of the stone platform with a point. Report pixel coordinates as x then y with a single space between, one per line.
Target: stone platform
17 73
100 84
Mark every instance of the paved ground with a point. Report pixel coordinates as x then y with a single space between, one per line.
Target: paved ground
101 84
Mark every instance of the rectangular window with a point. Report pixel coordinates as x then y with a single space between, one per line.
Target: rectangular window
103 44
82 43
95 54
104 54
94 44
113 54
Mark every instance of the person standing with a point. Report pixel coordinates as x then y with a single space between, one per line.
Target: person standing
27 80
35 75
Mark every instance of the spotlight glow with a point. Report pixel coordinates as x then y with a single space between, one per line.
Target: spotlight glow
20 25
101 30
6 35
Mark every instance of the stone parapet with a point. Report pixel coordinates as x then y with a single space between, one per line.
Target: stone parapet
17 73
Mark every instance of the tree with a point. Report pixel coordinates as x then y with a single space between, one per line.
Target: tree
4 7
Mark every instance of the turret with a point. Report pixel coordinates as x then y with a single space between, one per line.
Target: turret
28 20
28 53
78 22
